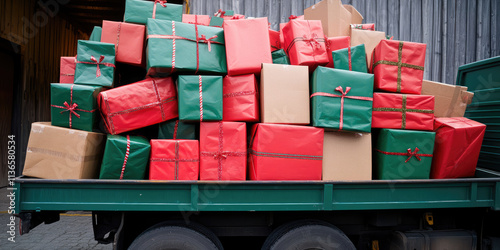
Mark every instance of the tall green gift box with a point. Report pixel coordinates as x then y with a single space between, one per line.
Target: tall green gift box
138 11
200 98
342 100
280 57
74 106
175 129
403 154
96 34
125 157
95 63
351 58
185 48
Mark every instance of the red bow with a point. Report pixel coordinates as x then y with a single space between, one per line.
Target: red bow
163 3
291 17
98 71
313 40
236 17
219 13
414 153
71 108
206 40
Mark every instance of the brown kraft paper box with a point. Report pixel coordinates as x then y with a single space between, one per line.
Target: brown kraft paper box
369 38
347 156
62 153
284 94
449 100
335 17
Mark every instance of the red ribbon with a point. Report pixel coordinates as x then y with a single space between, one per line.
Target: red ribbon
94 61
219 13
236 17
127 152
71 107
176 126
118 38
206 40
409 153
163 4
349 57
291 17
313 40
200 87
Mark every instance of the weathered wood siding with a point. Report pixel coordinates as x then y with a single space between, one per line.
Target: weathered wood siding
456 31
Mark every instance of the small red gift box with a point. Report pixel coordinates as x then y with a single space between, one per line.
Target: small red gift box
398 66
174 160
223 152
67 69
274 39
456 151
336 43
128 39
247 45
285 152
400 111
240 98
196 19
138 105
305 43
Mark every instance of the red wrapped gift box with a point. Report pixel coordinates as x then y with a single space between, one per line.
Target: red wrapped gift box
247 45
174 160
400 111
128 39
196 19
138 105
67 69
274 39
336 43
285 152
456 151
223 152
240 98
305 43
399 66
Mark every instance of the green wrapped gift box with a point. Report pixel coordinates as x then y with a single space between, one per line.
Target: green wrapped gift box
95 63
175 129
200 98
403 154
138 11
74 106
189 49
280 57
96 34
216 21
351 58
125 157
342 99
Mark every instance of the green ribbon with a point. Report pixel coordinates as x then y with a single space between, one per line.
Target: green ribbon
404 110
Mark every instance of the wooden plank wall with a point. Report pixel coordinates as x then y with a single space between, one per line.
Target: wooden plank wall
456 31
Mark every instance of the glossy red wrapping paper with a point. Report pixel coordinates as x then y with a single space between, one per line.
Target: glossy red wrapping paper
406 78
174 160
401 111
67 69
336 43
240 98
138 105
223 151
128 39
285 152
456 152
274 39
196 19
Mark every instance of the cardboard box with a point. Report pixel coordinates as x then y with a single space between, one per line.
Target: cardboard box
449 100
335 17
347 156
369 38
62 153
284 94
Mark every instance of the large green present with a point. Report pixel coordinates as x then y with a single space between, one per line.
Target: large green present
125 157
280 57
95 63
350 58
200 98
96 34
184 47
403 154
342 99
175 129
138 11
74 106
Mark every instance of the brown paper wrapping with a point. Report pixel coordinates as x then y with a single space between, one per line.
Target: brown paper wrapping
449 100
335 17
369 38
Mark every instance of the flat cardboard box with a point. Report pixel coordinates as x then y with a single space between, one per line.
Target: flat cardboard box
284 94
449 100
62 153
370 39
347 156
335 17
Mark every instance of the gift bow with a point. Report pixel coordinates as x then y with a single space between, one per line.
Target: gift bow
71 108
313 40
414 153
98 71
163 4
236 17
291 17
409 153
206 40
219 13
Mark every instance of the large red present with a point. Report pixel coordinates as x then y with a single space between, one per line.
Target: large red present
128 39
196 19
398 66
401 111
247 45
174 160
285 152
458 142
67 69
274 39
138 105
305 43
223 151
240 98
336 43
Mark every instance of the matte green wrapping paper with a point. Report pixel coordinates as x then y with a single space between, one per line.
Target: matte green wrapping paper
216 21
95 63
96 34
342 99
403 154
280 57
189 49
351 58
200 98
138 11
125 157
74 106
175 129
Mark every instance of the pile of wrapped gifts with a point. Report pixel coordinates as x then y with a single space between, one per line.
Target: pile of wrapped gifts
224 97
